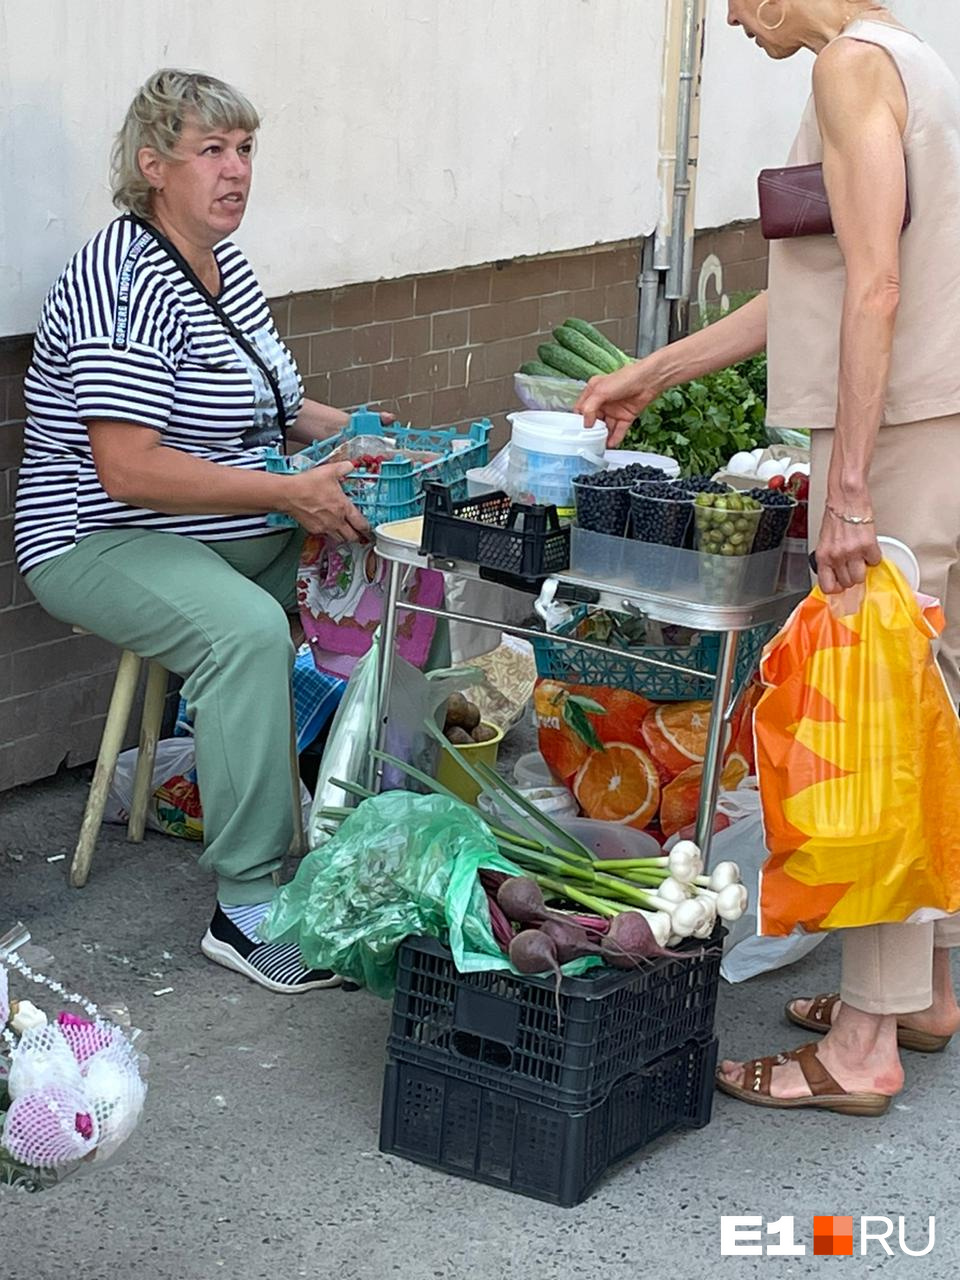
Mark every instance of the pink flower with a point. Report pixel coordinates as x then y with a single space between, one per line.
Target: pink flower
84 1126
65 1019
84 1037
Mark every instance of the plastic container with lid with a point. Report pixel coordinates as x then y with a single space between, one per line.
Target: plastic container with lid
547 450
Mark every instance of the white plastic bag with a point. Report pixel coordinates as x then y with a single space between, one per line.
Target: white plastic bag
174 807
746 954
355 731
174 776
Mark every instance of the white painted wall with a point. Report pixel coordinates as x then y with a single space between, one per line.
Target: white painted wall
399 136
751 106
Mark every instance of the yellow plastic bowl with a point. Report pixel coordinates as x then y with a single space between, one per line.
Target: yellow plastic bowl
450 775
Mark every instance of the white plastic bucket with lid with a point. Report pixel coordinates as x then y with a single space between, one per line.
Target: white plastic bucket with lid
547 450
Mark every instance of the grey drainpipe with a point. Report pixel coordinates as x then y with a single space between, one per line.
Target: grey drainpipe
661 287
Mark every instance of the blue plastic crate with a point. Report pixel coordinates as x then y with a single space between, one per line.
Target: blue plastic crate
570 665
397 491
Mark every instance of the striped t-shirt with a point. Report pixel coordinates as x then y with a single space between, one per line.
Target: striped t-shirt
125 336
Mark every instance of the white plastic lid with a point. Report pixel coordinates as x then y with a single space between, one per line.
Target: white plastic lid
542 431
899 553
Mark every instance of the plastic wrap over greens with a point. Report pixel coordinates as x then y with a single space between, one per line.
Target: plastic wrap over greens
402 865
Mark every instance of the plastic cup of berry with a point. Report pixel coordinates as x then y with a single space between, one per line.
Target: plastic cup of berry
775 519
661 513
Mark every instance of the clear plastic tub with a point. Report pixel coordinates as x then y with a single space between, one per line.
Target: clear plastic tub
670 571
547 393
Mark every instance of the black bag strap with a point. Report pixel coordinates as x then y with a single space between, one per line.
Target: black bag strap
237 334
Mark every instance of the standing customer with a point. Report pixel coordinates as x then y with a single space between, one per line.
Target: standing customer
862 332
157 378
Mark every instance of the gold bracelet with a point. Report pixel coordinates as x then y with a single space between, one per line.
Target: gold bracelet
848 519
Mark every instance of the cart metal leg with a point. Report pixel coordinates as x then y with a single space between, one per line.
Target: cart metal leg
388 638
713 755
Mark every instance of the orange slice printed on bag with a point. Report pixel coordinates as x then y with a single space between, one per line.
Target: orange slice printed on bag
625 712
563 749
681 797
676 735
620 784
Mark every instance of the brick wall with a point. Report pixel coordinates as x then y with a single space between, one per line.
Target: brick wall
436 349
727 260
442 349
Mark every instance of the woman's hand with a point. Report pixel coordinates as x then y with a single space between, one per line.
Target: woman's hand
618 398
316 500
844 551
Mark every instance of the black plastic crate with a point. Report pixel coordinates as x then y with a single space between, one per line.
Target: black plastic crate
557 1154
510 541
496 1028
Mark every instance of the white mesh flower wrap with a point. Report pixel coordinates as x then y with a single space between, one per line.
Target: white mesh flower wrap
43 1057
115 1092
76 1091
4 997
50 1128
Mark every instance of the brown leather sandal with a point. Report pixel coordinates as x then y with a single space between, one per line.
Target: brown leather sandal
825 1093
820 1016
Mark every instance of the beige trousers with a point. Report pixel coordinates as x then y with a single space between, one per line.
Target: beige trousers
915 487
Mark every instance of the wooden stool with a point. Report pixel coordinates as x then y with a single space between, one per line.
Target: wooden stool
114 732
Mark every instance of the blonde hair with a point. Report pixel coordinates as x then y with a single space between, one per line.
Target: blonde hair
155 119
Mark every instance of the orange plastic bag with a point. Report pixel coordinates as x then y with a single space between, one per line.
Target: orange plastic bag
858 755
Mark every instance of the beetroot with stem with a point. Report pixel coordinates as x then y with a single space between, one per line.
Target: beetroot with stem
570 939
500 925
492 880
521 899
629 941
533 952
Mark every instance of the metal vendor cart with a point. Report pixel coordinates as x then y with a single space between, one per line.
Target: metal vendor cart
398 545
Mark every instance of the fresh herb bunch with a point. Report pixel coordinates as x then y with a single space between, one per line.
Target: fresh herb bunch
703 423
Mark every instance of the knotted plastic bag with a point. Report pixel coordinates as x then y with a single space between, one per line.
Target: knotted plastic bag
403 864
858 754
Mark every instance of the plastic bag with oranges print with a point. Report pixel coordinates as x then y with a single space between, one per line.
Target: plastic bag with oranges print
631 761
858 751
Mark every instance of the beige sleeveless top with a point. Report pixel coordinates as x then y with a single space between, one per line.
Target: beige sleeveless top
807 274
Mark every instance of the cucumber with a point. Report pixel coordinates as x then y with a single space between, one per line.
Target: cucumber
586 350
598 339
537 369
565 363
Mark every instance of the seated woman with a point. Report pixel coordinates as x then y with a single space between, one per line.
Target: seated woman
156 380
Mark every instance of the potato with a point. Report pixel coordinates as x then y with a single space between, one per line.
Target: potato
458 736
461 713
484 733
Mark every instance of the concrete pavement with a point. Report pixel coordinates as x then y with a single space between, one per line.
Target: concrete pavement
257 1157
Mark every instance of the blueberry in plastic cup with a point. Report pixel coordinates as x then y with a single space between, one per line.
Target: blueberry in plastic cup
602 507
661 513
775 520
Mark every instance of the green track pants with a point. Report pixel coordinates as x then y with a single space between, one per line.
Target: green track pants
214 613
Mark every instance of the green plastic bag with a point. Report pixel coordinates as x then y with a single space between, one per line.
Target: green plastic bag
401 865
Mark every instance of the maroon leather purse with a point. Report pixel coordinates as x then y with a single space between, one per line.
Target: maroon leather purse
793 202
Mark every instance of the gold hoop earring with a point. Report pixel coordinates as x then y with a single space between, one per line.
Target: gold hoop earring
766 26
